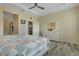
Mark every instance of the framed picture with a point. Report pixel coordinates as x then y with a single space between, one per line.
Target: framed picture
51 26
23 21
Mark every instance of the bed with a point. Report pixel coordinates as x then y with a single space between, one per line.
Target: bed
24 45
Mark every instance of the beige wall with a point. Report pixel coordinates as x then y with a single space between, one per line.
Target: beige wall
1 22
67 25
5 27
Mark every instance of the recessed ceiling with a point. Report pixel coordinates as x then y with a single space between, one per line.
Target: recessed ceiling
49 7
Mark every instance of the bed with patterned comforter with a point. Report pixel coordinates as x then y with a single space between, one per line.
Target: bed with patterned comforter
23 46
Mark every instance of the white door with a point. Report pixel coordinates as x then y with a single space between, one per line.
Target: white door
36 28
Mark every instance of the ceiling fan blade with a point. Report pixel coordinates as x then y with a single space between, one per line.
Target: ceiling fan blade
41 7
31 7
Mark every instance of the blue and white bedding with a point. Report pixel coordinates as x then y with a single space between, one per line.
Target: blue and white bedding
22 46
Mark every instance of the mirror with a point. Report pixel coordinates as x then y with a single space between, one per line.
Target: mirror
10 23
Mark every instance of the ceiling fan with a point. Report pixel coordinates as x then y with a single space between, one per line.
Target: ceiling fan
36 5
